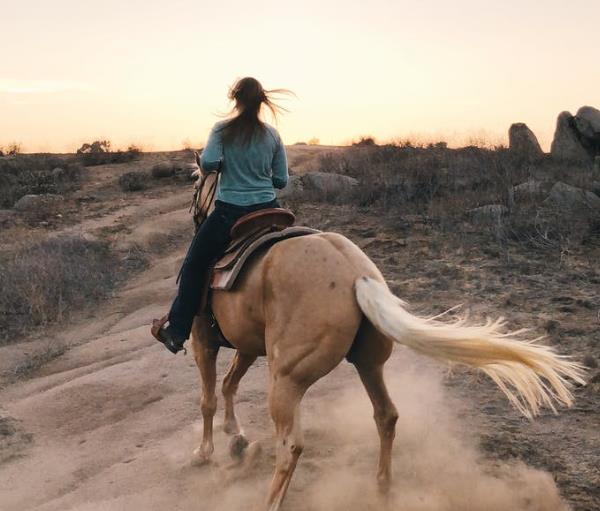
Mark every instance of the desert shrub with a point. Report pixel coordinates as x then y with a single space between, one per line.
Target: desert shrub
36 174
162 169
11 149
47 280
133 181
441 185
99 153
364 142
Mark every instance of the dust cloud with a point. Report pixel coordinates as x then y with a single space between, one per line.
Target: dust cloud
436 463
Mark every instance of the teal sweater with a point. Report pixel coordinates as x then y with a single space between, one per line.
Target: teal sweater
249 173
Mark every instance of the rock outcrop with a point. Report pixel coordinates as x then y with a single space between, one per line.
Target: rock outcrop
328 182
577 137
523 144
587 121
566 145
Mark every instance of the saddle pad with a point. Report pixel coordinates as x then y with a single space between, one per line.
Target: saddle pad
227 269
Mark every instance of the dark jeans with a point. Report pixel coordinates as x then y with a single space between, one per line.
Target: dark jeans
209 242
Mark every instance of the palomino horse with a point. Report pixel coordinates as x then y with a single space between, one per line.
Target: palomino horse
309 302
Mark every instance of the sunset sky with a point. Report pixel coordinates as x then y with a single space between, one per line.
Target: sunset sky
156 72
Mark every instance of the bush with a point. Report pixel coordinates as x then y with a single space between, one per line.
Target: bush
99 153
45 281
163 169
36 174
11 150
133 181
365 142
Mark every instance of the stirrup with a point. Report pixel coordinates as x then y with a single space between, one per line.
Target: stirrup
158 329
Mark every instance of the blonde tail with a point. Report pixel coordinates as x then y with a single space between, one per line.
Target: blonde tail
530 374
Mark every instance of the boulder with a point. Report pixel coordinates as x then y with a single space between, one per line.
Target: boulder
34 203
489 212
294 188
523 144
570 197
328 182
566 144
587 121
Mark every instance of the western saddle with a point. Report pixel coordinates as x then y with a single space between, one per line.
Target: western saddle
254 231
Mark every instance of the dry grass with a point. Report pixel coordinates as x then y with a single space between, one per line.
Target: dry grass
440 185
34 361
47 280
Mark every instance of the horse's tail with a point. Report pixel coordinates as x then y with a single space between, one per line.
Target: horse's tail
530 374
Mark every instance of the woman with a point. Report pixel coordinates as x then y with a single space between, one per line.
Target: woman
251 158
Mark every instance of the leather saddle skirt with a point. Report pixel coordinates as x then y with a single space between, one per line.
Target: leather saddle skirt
251 233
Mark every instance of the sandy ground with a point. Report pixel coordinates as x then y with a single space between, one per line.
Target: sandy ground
112 423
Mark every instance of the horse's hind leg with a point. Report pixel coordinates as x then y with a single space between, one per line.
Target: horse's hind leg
385 415
205 355
239 365
368 354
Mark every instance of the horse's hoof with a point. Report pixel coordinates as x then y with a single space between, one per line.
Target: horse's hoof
200 459
231 428
237 446
252 453
242 467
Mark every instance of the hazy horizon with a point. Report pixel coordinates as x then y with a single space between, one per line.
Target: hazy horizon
156 74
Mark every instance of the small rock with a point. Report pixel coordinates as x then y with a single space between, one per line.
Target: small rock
528 189
571 197
32 203
488 212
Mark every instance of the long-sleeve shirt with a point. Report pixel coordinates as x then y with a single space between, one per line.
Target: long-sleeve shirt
249 173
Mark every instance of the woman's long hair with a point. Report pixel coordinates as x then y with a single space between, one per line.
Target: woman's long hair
249 97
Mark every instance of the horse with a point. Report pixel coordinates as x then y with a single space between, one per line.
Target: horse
308 303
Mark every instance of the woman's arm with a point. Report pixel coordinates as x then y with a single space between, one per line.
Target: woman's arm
212 155
279 166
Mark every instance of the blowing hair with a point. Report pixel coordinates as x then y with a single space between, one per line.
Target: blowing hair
249 97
